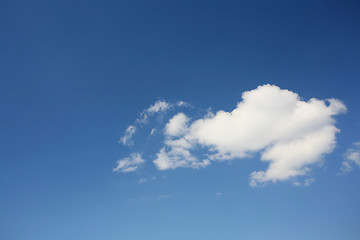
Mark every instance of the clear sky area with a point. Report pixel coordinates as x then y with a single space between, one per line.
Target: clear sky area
173 120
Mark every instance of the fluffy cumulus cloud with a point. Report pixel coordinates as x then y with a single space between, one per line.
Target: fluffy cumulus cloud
177 125
290 134
177 146
351 158
129 164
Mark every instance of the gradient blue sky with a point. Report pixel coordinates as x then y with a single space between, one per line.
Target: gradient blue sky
75 74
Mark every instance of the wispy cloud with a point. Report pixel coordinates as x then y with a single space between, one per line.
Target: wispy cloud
153 132
307 182
351 158
145 180
129 132
160 106
129 164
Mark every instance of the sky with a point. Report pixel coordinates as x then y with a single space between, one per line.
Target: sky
179 120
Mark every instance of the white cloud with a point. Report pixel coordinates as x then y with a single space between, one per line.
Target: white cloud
177 125
129 164
183 104
177 157
291 135
158 106
266 115
129 132
351 157
176 152
293 157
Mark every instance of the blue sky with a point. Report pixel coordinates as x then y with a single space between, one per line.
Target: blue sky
76 74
